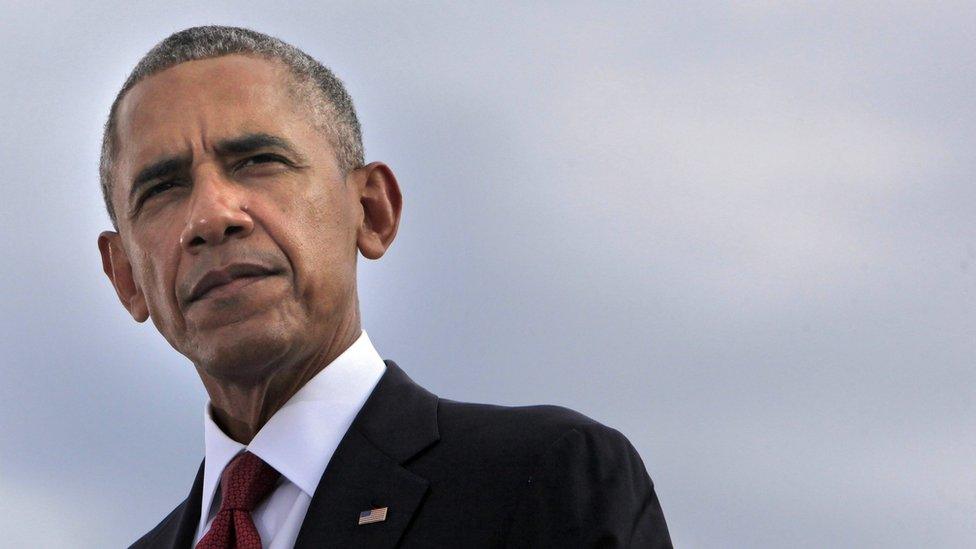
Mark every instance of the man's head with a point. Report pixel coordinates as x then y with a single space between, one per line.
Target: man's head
311 82
240 199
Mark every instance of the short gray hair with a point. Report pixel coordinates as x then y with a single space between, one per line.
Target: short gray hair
330 103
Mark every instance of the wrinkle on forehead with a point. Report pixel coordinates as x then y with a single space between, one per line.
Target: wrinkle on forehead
187 108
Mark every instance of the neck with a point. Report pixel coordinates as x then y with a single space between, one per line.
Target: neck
241 408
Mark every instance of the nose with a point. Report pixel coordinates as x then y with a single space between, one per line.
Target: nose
218 212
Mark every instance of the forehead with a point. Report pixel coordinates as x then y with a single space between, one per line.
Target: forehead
189 107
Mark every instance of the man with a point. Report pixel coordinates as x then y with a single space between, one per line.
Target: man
232 168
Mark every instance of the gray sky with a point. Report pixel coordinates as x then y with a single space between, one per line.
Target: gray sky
741 233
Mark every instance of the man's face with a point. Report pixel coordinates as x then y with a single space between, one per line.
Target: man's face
237 222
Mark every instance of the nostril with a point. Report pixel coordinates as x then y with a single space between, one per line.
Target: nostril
197 241
232 230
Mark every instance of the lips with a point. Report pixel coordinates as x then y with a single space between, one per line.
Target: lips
225 275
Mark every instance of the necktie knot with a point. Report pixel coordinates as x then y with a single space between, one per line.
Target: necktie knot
246 481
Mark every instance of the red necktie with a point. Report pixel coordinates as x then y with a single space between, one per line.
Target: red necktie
246 480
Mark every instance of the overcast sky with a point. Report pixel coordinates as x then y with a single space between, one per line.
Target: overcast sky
739 232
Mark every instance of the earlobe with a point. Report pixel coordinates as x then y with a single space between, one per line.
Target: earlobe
382 203
117 268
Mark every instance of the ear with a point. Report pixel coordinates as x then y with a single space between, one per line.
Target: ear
379 195
117 268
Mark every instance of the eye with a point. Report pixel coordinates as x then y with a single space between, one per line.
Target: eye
260 159
158 189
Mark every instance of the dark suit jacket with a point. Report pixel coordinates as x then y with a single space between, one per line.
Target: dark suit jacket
467 475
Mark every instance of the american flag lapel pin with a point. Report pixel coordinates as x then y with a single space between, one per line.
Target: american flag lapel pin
372 515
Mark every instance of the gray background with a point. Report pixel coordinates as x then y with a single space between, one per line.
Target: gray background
741 233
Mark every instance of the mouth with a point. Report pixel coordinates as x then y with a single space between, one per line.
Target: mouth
227 280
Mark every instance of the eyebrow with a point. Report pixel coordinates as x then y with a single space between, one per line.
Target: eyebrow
254 141
244 144
156 170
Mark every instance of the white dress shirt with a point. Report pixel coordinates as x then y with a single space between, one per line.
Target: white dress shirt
298 441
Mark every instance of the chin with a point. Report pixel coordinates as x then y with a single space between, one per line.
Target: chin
240 353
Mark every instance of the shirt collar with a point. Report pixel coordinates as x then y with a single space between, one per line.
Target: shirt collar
300 438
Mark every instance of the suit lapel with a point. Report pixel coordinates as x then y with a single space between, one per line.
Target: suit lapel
191 513
366 472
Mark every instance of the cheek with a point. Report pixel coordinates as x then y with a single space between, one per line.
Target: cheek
317 220
333 240
155 273
319 241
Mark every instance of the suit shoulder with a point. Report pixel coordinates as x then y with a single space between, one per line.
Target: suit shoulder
149 538
533 428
